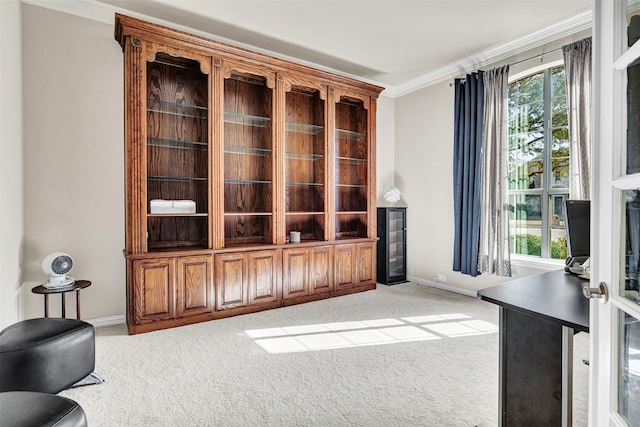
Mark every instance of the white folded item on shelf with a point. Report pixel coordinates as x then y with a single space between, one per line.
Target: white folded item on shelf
160 206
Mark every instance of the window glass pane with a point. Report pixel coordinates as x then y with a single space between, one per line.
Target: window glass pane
633 117
633 16
557 229
633 93
526 133
525 222
530 88
560 173
632 245
559 112
560 142
629 371
560 158
558 88
526 161
526 118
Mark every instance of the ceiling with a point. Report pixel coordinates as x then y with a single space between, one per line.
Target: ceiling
389 42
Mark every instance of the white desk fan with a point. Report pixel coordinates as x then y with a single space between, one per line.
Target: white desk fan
56 265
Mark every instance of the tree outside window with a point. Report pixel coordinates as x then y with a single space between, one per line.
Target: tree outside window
538 164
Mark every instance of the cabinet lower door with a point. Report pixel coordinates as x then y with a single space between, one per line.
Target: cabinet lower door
247 278
264 268
355 265
307 271
153 290
295 280
194 285
345 266
321 269
366 263
231 281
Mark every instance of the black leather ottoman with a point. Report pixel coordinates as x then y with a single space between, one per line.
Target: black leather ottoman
46 355
28 409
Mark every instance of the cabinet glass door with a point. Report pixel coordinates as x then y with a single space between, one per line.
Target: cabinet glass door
615 259
351 159
629 287
305 141
177 154
248 160
397 230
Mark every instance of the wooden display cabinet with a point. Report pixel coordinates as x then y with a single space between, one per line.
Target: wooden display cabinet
240 149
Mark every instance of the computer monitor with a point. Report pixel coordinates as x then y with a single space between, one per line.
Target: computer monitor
578 228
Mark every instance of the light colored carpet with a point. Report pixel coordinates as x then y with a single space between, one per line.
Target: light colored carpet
404 355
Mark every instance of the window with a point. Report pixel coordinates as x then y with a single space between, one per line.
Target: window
538 164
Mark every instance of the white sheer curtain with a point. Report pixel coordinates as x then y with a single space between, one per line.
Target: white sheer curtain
577 64
494 256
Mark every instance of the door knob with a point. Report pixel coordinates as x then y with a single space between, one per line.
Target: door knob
601 292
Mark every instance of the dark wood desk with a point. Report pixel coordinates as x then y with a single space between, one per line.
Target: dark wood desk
538 317
77 286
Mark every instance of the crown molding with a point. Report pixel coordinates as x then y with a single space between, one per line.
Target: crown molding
89 9
572 25
94 10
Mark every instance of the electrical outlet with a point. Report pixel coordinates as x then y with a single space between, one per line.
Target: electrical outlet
441 278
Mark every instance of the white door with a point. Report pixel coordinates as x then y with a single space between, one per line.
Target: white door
615 241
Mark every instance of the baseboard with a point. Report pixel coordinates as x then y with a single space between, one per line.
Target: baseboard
107 321
442 286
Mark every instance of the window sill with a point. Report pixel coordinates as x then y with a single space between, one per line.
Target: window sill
534 262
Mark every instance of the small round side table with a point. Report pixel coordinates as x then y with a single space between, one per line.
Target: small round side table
77 286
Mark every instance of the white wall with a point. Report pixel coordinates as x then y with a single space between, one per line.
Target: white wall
11 204
73 158
424 174
385 147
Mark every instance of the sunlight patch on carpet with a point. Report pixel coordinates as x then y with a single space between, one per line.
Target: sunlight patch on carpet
326 336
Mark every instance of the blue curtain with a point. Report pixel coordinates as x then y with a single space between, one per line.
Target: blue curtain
467 171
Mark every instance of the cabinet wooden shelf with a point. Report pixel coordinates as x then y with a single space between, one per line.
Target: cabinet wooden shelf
303 156
168 215
245 181
176 109
306 128
175 178
263 147
176 143
234 118
242 150
348 135
305 213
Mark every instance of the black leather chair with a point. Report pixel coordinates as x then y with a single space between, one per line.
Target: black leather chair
29 409
39 358
46 355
